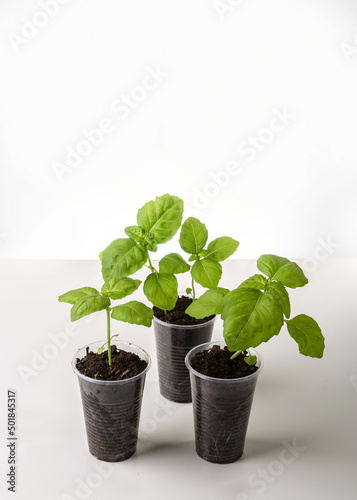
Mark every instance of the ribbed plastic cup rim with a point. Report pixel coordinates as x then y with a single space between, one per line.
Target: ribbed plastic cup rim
122 345
207 346
183 327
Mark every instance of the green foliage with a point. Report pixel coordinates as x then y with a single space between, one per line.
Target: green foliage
173 263
209 303
133 312
122 258
250 317
161 290
256 310
307 333
162 217
207 272
118 289
280 269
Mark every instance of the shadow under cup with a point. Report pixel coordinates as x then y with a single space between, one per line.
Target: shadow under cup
112 408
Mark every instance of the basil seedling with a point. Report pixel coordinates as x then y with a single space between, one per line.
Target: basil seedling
257 309
88 300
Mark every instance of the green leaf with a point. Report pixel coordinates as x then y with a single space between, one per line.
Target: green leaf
270 264
193 236
161 290
72 296
257 281
100 349
88 305
122 258
188 291
250 360
118 289
101 255
282 270
139 235
209 303
221 248
207 272
307 333
161 217
133 312
194 257
250 317
281 295
173 263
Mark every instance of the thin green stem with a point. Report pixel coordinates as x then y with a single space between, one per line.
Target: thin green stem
237 353
193 289
108 337
151 267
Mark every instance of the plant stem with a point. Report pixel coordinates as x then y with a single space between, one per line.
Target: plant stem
237 353
108 337
151 267
193 289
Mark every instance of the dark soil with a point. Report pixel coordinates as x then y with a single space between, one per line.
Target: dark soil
124 365
177 315
216 362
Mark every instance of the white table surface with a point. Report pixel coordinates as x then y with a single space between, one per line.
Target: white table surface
309 401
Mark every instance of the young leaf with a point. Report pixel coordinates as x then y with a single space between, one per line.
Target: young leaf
133 312
188 291
88 305
72 296
291 275
161 290
118 289
250 360
257 281
250 317
269 264
193 236
209 303
122 258
307 333
207 272
221 248
173 263
282 270
281 295
161 217
139 235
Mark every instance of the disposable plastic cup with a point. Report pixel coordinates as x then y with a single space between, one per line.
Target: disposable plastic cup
173 342
112 408
221 410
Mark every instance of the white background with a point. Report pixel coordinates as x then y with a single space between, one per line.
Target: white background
228 64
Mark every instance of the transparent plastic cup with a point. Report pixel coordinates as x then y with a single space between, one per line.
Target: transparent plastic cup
173 342
112 408
221 410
